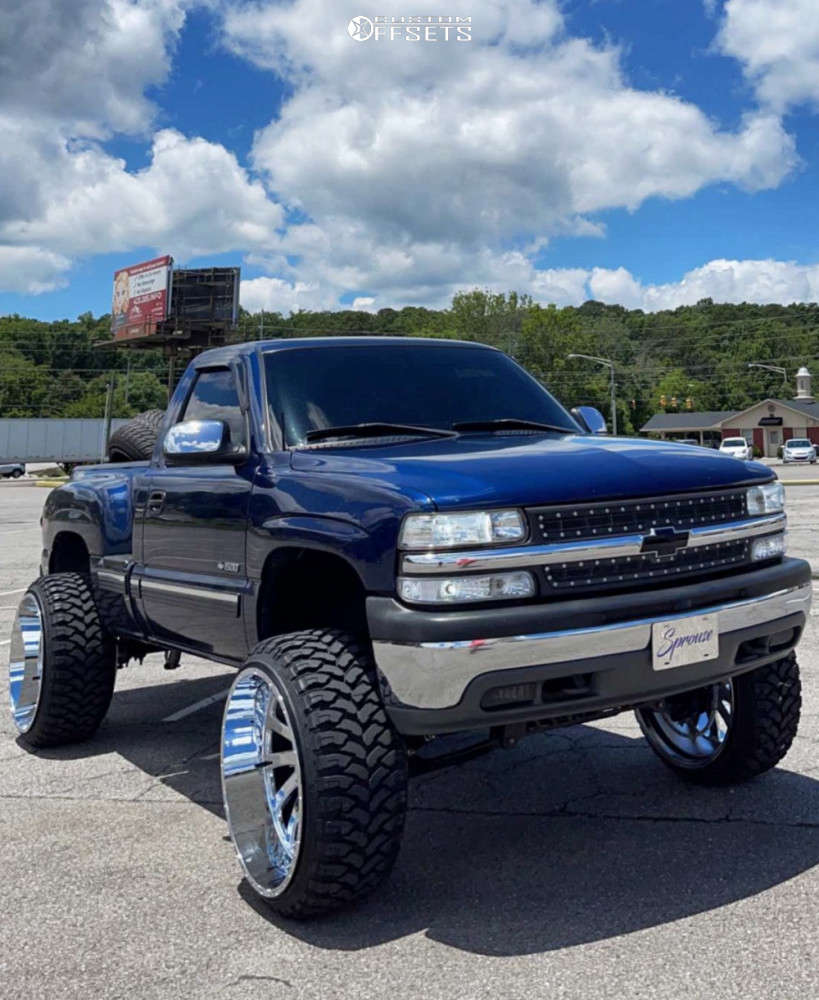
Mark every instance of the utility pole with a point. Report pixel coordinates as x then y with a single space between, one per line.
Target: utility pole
261 325
127 379
106 424
608 363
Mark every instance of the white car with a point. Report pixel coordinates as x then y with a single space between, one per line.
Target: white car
798 450
736 448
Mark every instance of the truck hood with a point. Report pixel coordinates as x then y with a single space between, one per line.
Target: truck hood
518 470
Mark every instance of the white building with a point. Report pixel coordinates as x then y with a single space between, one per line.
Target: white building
767 424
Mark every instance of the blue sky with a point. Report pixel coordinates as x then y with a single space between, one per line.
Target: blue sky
647 153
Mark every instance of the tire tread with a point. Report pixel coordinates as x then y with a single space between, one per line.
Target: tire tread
360 764
80 665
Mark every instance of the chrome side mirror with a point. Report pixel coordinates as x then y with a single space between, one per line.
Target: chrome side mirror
590 419
200 441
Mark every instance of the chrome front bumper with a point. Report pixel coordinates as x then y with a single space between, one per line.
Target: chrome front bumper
435 675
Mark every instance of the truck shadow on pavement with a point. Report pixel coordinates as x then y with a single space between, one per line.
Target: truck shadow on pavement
575 836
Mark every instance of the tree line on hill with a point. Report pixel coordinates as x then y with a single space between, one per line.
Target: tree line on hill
693 357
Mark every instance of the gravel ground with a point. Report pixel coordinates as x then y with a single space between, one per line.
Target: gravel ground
574 865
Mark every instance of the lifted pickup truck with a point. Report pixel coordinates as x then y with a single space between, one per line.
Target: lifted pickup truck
398 539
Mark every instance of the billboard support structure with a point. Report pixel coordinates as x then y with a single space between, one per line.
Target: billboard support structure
180 311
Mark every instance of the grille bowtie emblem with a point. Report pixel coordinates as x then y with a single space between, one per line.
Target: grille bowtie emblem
663 543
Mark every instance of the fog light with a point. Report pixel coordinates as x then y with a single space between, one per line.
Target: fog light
513 694
462 589
769 547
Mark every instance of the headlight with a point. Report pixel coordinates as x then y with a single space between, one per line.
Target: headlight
768 547
767 499
463 589
448 531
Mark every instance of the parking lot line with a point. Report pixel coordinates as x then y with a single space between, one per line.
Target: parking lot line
8 593
196 706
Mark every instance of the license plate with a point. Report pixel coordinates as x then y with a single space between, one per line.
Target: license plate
684 640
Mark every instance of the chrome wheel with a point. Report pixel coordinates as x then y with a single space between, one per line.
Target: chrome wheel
690 729
261 781
26 663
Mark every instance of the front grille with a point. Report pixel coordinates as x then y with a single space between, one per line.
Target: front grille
628 517
627 572
609 519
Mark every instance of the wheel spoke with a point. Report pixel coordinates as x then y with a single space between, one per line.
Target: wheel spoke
282 758
280 728
287 789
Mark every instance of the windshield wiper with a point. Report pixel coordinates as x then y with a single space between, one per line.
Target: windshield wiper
508 424
375 430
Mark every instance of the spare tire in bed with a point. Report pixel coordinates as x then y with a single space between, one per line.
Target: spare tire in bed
134 441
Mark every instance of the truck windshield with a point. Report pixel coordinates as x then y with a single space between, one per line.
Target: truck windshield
418 383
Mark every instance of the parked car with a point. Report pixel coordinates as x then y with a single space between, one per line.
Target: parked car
688 441
395 540
798 450
737 448
12 470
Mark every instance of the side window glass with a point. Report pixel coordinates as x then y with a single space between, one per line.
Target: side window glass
214 397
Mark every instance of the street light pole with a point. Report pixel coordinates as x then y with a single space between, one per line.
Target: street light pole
606 362
770 368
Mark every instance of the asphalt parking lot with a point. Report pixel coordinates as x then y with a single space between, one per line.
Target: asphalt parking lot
574 865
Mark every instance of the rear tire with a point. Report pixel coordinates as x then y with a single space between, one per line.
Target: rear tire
314 776
62 663
134 441
760 717
16 474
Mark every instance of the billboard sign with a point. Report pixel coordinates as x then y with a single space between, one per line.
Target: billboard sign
141 298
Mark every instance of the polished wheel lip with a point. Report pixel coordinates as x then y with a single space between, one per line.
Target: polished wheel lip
26 662
259 782
696 741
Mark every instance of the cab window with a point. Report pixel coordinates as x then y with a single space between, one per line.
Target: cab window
215 397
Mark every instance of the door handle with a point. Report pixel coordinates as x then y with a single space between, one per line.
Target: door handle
156 500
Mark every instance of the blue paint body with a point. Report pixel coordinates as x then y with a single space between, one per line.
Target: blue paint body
344 501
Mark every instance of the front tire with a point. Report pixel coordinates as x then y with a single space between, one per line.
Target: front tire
314 776
729 732
62 663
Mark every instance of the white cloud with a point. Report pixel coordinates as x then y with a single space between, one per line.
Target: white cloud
32 270
70 76
778 43
419 164
758 281
279 295
193 198
484 140
86 64
421 169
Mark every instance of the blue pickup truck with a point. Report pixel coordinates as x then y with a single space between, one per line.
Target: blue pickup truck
396 540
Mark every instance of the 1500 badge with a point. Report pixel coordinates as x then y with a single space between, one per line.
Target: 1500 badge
228 567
